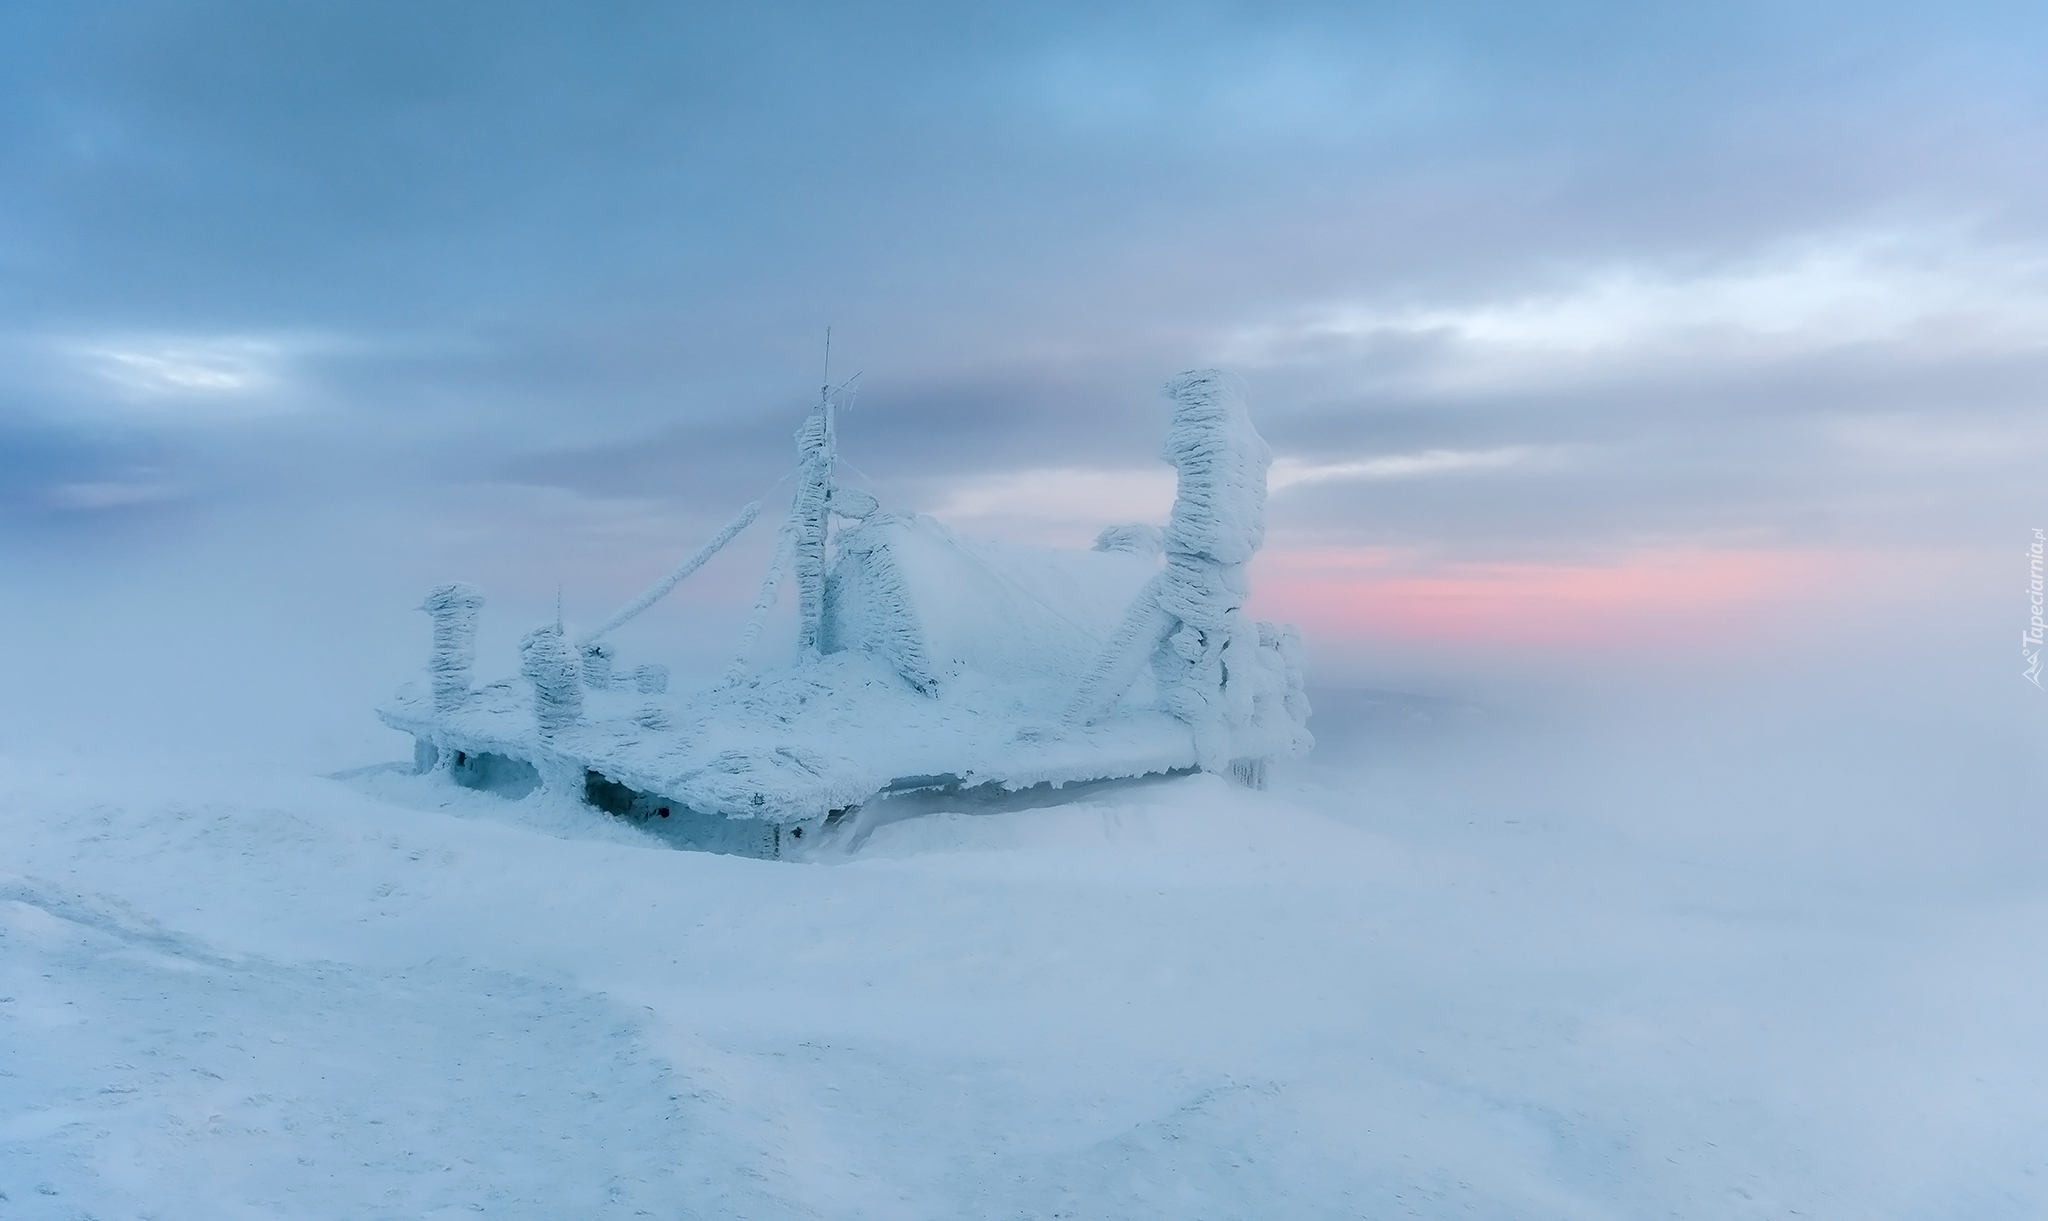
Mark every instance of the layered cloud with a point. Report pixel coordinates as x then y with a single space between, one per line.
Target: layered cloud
1901 295
1524 295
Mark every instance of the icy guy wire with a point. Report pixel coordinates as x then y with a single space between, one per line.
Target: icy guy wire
763 602
673 579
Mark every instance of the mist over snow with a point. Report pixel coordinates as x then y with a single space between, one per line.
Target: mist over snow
1655 409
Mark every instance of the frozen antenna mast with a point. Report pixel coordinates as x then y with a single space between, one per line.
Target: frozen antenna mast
817 446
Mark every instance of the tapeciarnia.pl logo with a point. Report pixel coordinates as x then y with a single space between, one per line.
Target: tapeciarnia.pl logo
2030 640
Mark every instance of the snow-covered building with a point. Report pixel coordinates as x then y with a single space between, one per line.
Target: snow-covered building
930 670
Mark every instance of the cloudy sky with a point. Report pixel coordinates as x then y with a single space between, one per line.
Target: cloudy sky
1582 329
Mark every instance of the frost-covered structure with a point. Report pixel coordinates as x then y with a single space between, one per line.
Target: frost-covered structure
454 608
929 669
1236 684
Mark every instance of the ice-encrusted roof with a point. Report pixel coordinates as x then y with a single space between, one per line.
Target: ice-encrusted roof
931 604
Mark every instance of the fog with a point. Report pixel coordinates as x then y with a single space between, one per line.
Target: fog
1656 407
1866 735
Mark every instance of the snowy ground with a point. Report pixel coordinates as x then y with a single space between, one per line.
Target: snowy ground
1383 989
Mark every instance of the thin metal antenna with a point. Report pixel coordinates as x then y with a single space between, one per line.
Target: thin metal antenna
825 384
558 608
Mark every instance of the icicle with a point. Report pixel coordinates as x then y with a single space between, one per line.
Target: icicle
544 660
454 608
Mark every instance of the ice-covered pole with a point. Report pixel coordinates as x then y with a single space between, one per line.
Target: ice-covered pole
545 660
453 608
809 516
1195 607
660 589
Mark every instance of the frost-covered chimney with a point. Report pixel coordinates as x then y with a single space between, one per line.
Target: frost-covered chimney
545 661
597 667
454 609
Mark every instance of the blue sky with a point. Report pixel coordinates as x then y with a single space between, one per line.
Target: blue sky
1614 311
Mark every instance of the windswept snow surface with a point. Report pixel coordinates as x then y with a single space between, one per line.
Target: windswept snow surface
1364 993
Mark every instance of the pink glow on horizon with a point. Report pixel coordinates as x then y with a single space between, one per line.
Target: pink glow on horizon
1637 600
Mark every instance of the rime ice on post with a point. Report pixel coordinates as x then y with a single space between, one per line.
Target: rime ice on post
1218 523
1207 661
808 519
597 667
810 513
557 696
453 607
1219 510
